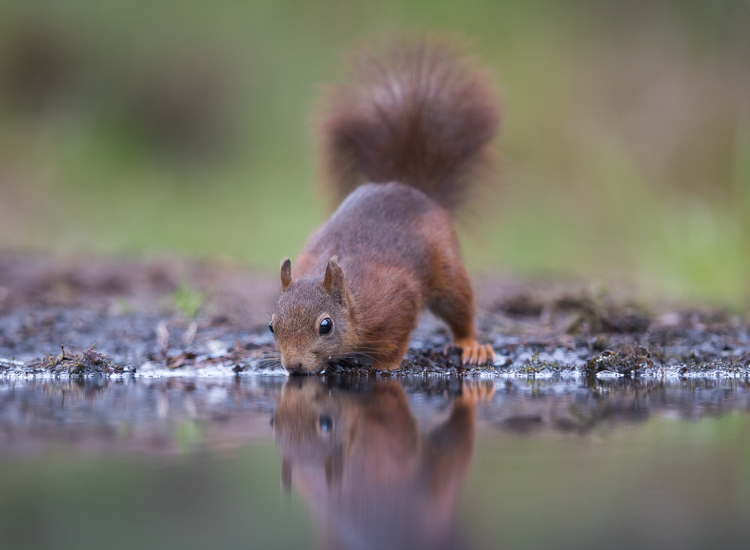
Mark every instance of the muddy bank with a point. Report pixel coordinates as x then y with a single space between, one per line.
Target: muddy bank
162 317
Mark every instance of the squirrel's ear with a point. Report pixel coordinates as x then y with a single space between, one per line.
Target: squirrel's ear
286 274
333 281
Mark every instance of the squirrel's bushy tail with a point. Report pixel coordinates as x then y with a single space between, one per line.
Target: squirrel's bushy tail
422 114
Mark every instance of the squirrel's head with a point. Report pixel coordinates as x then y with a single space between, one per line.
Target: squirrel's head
313 322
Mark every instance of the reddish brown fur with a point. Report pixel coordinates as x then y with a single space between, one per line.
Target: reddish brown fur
421 114
417 123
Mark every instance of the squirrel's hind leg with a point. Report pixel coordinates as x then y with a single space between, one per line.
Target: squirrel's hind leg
454 304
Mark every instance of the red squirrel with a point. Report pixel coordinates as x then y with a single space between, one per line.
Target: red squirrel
404 142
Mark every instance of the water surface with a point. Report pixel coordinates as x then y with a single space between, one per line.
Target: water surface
355 462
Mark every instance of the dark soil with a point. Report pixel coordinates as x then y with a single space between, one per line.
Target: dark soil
168 316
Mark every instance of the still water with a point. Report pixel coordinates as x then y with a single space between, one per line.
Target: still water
338 462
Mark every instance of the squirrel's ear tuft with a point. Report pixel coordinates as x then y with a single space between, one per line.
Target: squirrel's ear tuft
333 281
286 274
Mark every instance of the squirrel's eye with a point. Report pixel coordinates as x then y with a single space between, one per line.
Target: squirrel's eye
270 327
326 325
326 424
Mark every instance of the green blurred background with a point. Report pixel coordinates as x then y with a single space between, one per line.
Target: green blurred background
136 127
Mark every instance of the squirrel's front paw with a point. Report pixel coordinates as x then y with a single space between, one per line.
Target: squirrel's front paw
474 353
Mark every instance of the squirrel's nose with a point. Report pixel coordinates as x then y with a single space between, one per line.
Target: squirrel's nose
296 369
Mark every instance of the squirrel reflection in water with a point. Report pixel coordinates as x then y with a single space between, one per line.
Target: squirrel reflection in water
364 469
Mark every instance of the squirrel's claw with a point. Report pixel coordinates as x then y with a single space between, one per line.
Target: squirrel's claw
474 353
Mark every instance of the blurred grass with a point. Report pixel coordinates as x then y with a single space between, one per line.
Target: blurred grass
137 127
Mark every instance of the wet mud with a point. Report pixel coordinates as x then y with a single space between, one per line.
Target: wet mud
171 317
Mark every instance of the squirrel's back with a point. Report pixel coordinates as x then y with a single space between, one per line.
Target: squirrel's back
422 114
